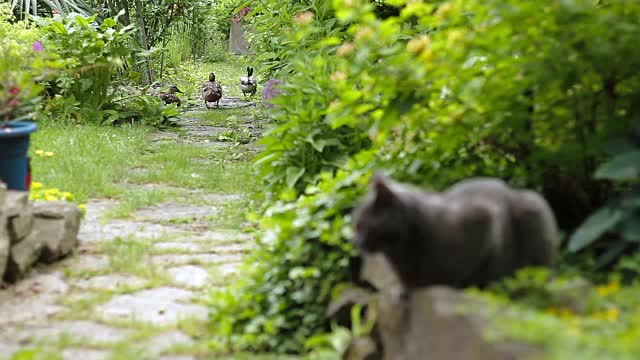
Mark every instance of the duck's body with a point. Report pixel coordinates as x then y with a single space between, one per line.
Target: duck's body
248 84
211 91
170 96
154 89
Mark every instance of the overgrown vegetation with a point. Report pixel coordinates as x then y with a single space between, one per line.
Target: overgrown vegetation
528 92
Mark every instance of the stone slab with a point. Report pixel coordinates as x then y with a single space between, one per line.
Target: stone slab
111 282
160 306
180 259
20 225
86 331
84 354
189 276
168 211
87 262
23 255
178 246
163 342
15 202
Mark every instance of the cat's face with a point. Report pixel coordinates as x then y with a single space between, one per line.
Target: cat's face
380 221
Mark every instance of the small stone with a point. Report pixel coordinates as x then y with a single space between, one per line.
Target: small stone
189 275
15 202
23 256
20 225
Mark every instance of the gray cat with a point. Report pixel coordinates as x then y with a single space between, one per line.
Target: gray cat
478 231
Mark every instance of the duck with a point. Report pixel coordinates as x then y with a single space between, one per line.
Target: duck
248 84
211 91
170 96
154 89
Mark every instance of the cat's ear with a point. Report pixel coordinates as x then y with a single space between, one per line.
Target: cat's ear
382 190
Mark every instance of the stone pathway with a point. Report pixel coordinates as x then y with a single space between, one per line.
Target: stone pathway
135 288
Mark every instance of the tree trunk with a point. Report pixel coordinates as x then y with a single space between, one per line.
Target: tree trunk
143 38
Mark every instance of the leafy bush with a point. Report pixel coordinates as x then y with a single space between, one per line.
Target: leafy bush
620 215
525 91
89 52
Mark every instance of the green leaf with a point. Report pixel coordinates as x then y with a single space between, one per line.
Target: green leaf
631 229
592 228
266 56
622 167
293 175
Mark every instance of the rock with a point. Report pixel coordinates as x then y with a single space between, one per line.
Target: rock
428 324
377 271
3 193
5 243
189 276
362 348
23 255
20 225
15 202
58 223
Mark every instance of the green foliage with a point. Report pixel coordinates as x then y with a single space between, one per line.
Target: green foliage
605 329
144 109
89 52
525 91
300 257
621 215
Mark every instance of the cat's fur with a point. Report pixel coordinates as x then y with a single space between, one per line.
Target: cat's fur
477 231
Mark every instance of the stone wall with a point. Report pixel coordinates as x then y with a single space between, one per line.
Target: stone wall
34 232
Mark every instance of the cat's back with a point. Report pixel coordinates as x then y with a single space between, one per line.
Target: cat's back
479 187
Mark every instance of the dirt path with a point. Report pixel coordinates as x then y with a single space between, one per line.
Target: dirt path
136 287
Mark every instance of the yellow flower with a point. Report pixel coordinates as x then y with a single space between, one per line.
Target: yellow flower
40 152
608 289
36 185
49 153
82 206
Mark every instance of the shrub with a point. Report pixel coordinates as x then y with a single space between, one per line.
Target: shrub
89 52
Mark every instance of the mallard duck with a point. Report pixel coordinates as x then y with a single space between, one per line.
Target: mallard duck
170 96
211 91
248 84
154 89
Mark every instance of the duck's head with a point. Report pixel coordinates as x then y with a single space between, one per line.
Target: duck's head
174 89
212 77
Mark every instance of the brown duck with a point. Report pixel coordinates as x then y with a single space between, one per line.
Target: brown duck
211 91
170 96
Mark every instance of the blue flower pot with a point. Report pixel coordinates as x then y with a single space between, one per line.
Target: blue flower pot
14 160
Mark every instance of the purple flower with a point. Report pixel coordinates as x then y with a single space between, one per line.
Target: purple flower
270 91
37 46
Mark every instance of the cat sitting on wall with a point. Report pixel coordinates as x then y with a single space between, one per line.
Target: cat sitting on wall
477 231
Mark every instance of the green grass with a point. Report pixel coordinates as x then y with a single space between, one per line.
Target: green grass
87 159
95 161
